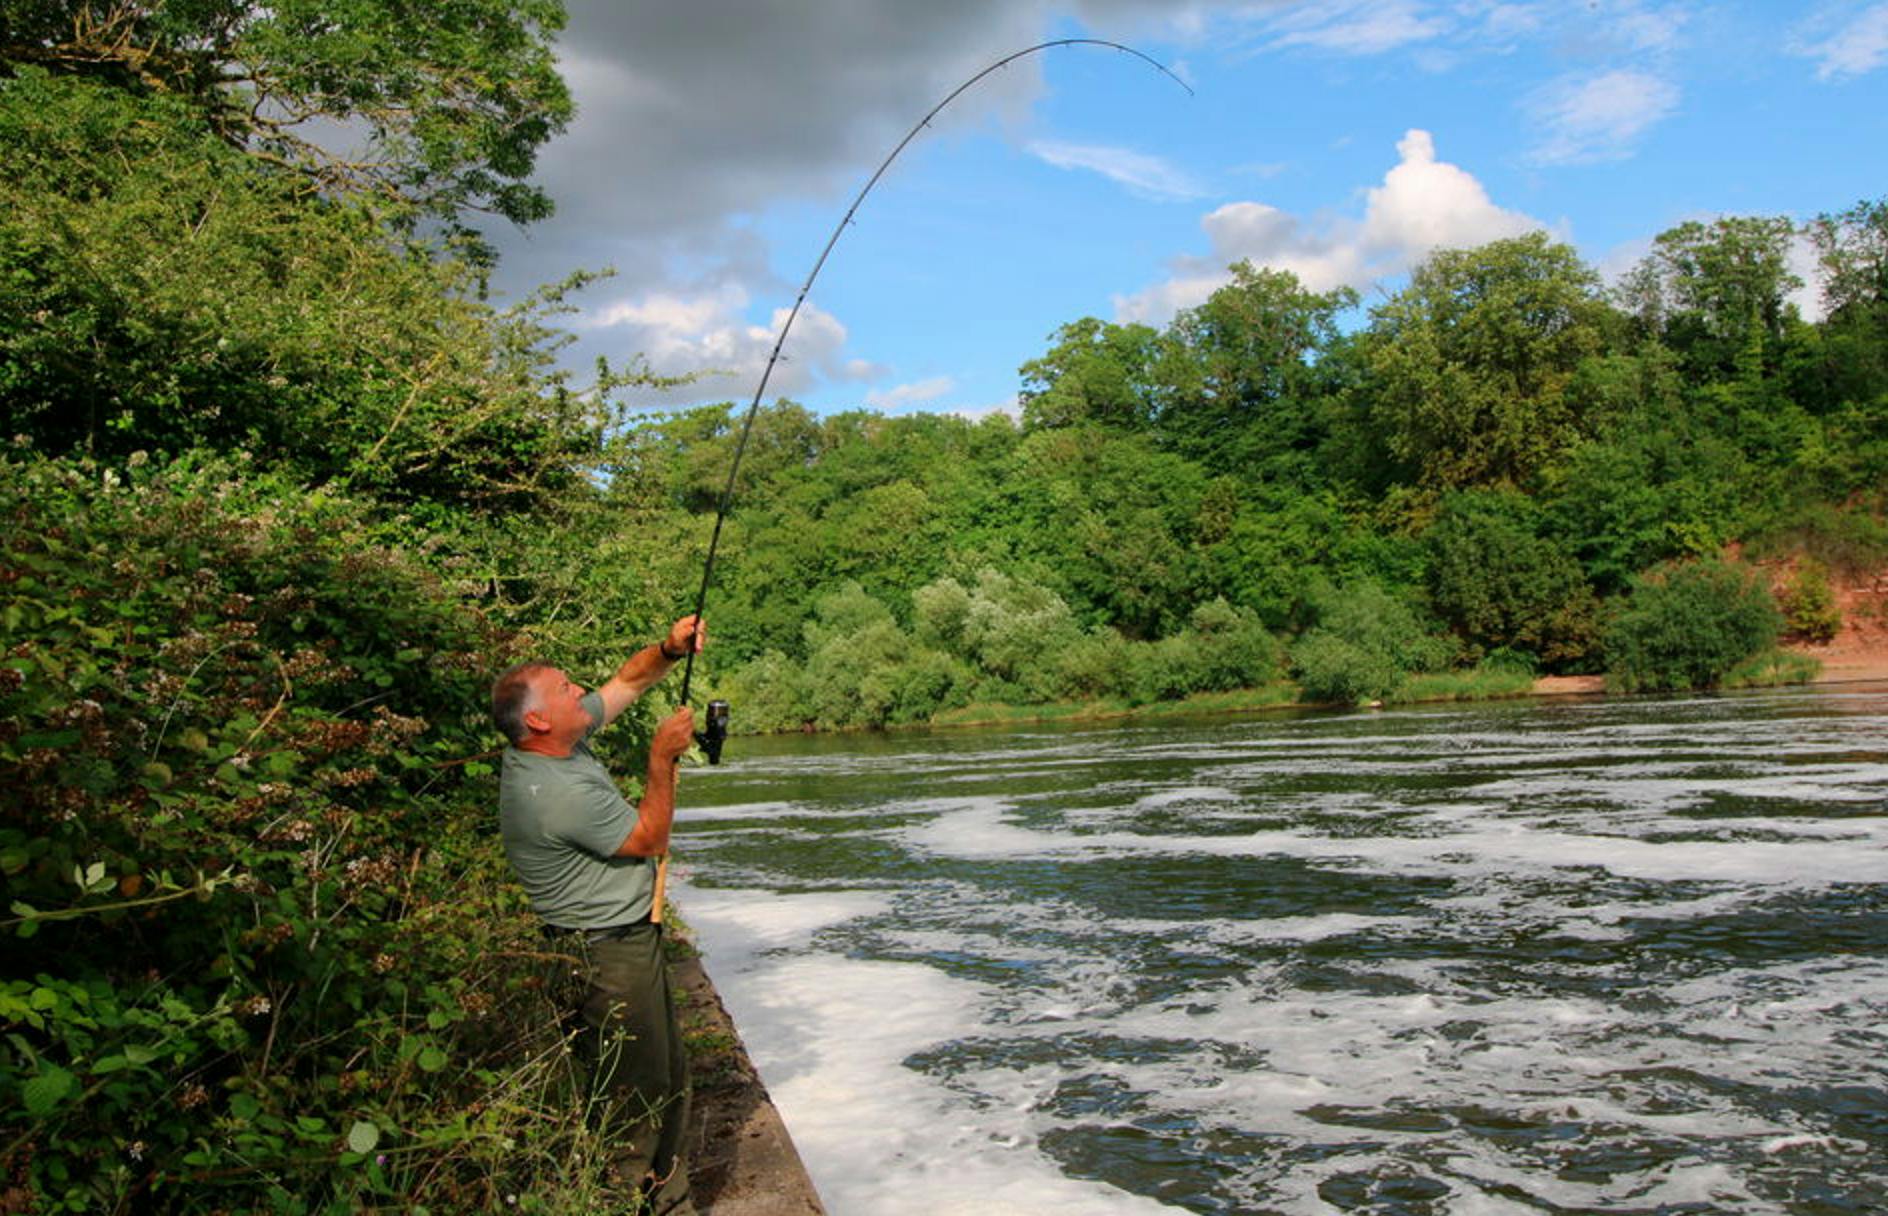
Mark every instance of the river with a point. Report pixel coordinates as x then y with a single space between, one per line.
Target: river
1605 956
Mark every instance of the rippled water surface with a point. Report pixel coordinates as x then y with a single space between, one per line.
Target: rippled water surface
1619 957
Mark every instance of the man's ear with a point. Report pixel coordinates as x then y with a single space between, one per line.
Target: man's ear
534 719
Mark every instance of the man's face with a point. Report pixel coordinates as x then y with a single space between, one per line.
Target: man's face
560 707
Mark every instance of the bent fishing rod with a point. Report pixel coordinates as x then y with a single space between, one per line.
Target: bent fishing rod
716 726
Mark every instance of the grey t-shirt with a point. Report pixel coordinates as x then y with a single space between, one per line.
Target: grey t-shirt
562 820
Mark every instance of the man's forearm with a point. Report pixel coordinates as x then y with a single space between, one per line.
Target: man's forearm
639 672
654 814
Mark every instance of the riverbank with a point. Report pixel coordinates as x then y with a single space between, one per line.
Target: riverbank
1859 653
741 1158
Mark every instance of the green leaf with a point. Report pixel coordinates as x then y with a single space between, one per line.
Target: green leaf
363 1136
432 1059
45 1091
244 1107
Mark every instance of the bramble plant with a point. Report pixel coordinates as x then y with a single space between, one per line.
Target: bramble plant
261 954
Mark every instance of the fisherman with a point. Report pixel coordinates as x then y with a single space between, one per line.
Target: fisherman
588 861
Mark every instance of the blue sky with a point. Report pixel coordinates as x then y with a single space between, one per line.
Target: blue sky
718 143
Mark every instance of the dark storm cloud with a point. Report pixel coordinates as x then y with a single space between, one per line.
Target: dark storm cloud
693 117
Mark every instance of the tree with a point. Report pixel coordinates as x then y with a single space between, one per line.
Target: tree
455 96
1715 292
163 290
1849 369
1096 372
1471 362
1238 378
1501 584
1852 247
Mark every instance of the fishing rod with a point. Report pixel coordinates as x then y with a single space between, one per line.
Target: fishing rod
718 712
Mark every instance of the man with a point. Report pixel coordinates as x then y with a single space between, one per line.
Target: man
588 861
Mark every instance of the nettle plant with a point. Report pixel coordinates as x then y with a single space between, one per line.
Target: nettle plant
253 908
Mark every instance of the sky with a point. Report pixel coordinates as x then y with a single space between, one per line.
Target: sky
718 144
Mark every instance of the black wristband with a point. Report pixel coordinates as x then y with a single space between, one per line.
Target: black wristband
662 648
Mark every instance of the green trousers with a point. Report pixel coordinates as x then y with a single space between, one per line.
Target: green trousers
637 1067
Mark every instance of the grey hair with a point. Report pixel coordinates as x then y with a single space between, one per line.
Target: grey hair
515 694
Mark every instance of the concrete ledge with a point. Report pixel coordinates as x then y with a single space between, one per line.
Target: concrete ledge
741 1161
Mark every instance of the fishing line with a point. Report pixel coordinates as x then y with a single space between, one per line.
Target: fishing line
717 716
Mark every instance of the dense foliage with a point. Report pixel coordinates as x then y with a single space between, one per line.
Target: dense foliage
455 97
283 491
253 907
1489 459
1688 625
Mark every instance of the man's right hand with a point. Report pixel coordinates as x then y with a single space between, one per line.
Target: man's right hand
675 736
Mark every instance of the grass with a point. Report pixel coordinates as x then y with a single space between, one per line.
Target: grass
1270 696
1772 668
1474 684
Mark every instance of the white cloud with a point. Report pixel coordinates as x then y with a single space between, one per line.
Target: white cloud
1148 176
1503 24
1598 119
1651 29
1858 47
1422 204
909 394
1426 204
703 334
1355 27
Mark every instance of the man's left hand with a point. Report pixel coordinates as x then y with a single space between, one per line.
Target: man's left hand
685 635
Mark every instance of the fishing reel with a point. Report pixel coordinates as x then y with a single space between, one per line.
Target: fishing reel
716 731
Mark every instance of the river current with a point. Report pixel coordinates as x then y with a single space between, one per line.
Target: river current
1622 956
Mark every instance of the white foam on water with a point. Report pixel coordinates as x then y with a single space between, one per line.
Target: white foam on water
1857 852
1633 1082
830 1037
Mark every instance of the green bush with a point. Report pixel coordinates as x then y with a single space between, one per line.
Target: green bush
257 928
1809 604
1687 625
1500 584
1331 668
1851 540
1097 664
1234 649
1366 640
767 695
1773 667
